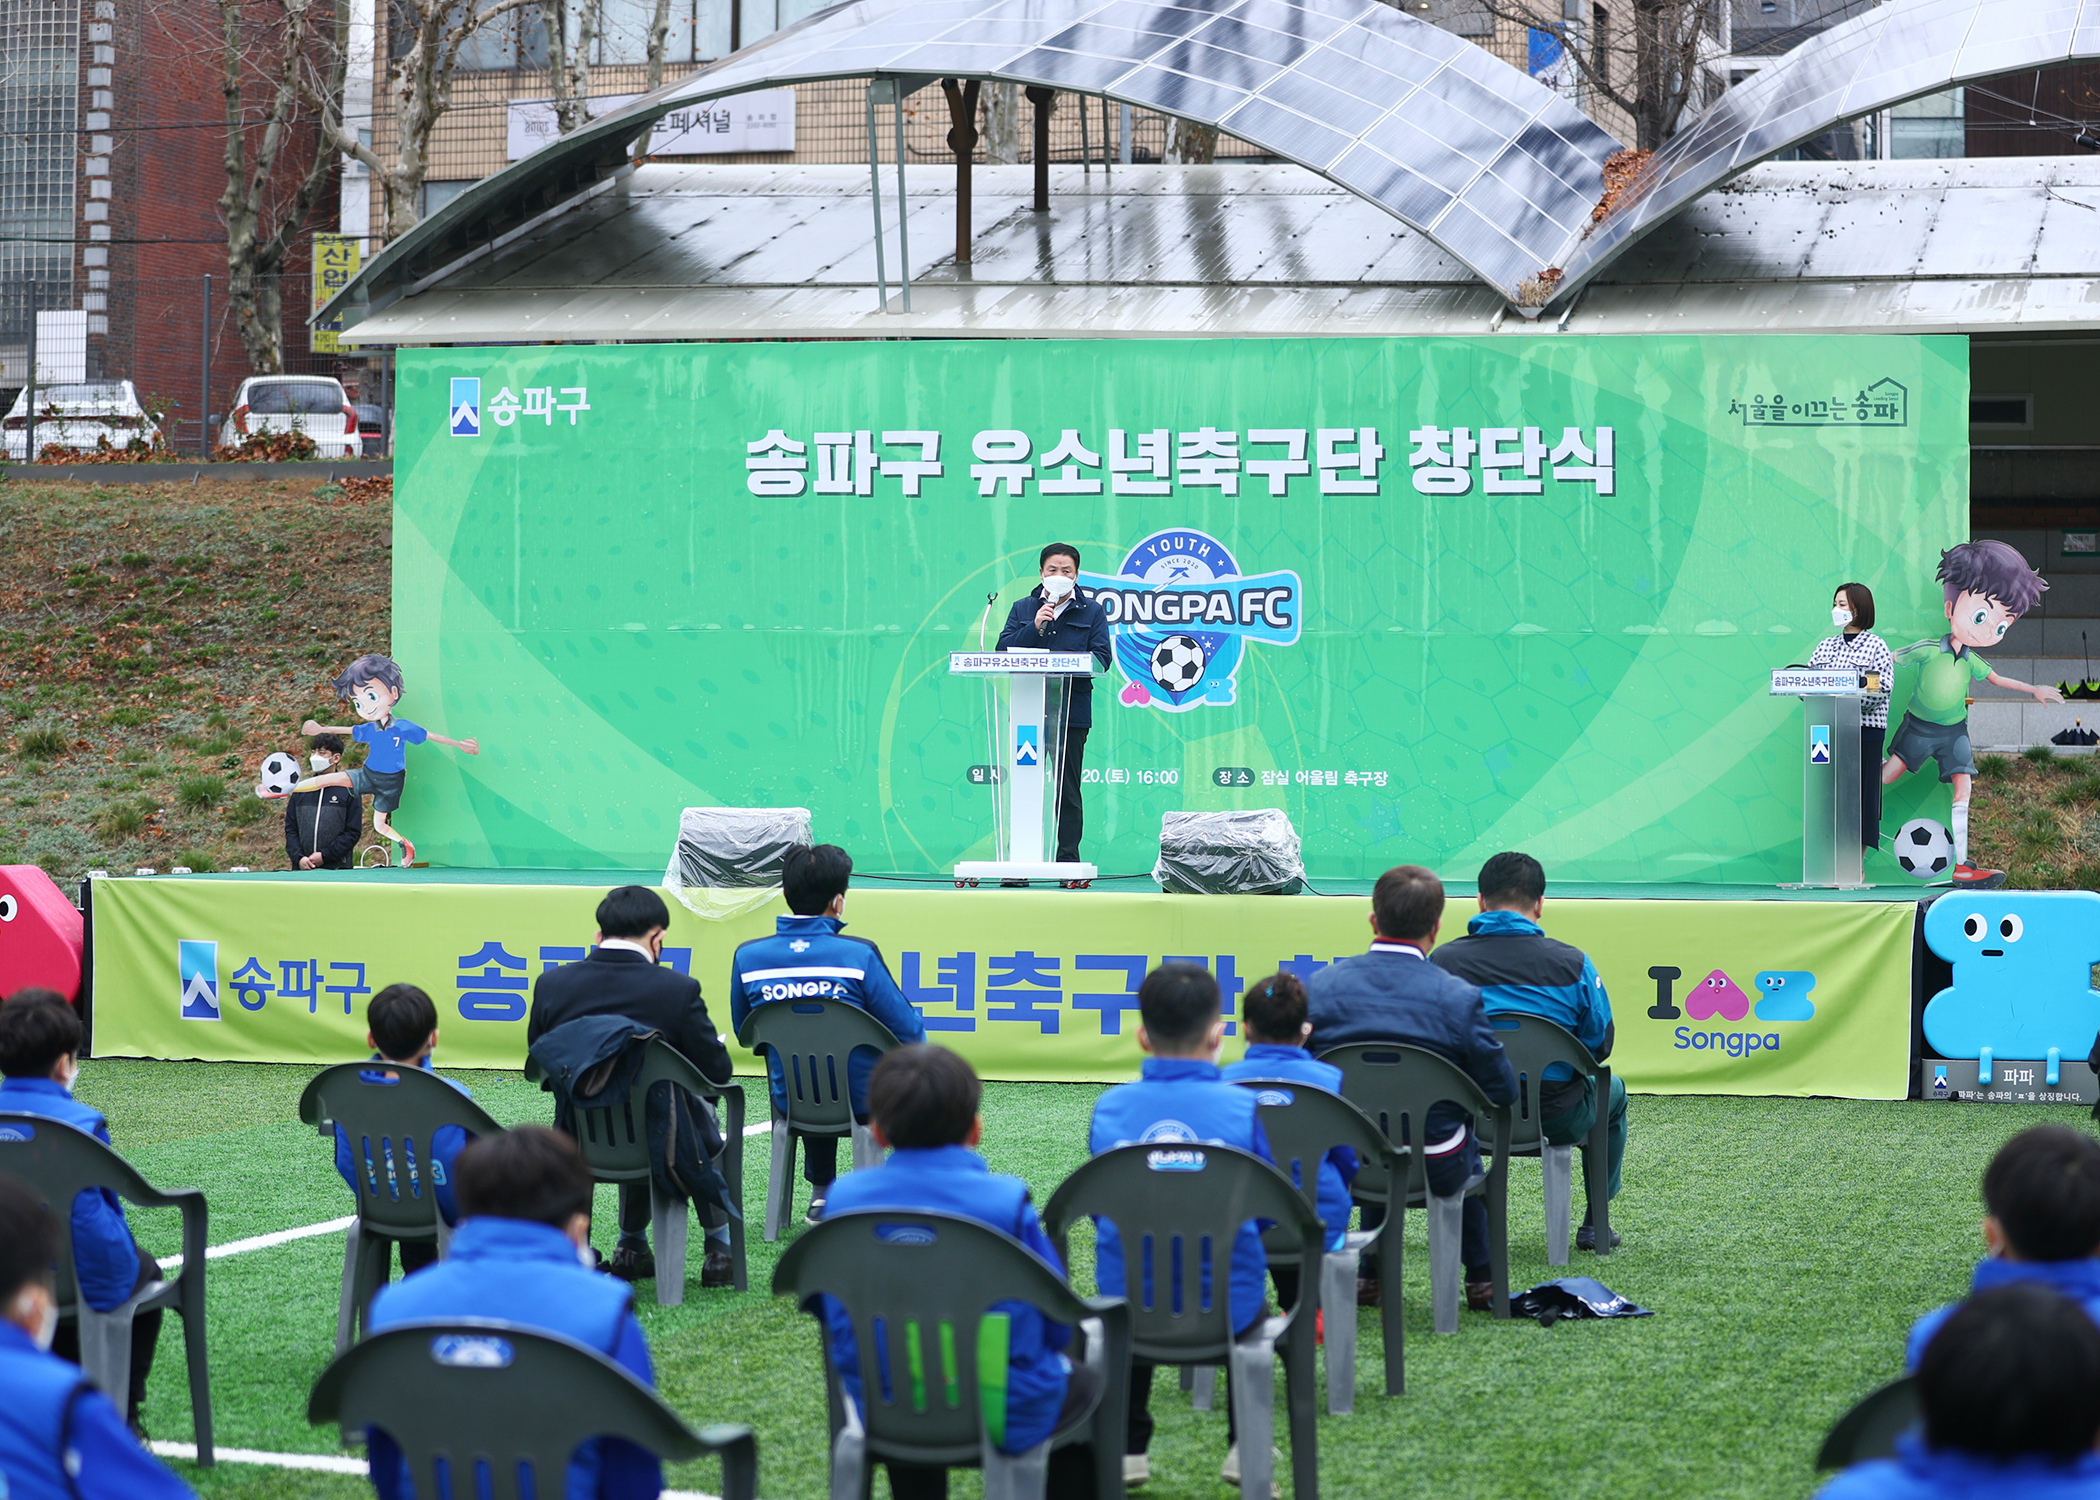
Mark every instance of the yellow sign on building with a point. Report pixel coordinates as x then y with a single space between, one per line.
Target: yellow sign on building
336 258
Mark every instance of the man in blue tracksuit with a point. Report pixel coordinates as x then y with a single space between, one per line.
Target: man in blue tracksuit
401 1028
1055 616
525 1198
2041 1199
809 957
923 1106
1273 1016
60 1438
1180 1096
1518 968
2010 1391
40 1037
1394 994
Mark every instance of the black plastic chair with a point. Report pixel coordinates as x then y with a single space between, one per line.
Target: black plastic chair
476 1391
1174 1206
58 1161
924 1284
1397 1086
1534 1044
391 1115
1871 1428
615 1144
811 1042
1303 1123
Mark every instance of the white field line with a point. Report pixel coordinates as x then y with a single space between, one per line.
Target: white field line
324 1463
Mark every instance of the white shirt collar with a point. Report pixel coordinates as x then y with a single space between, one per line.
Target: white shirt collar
1405 950
632 945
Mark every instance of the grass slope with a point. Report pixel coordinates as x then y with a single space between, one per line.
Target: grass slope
1785 1246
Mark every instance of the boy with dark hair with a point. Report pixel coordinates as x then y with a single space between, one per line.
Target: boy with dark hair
923 1106
1988 585
1180 1096
59 1436
321 826
2041 1222
1273 1018
1392 994
1519 969
809 957
2010 1389
40 1039
402 1030
519 1257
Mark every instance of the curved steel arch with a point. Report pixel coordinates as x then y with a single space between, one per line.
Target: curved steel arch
1890 54
1494 167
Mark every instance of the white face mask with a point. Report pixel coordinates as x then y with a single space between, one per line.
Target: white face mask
320 760
47 1330
1056 586
1840 616
585 1258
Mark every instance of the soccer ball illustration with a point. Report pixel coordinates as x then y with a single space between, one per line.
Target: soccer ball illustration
1924 848
1177 663
279 773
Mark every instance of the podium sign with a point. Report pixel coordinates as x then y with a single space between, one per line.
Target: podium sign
1833 852
1025 760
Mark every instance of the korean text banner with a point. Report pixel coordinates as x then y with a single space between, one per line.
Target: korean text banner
1435 598
1026 985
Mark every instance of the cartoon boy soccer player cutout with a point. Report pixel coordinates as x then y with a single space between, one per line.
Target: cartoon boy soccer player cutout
1988 586
372 685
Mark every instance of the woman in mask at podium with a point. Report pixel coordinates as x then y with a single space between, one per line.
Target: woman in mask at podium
1856 648
1055 616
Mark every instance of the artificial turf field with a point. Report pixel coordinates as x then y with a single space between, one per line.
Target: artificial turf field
1785 1246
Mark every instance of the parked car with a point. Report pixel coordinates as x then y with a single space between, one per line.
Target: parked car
85 413
313 404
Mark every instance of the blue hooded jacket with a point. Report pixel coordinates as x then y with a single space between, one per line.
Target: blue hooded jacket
809 958
1921 1473
2078 1280
61 1439
446 1142
1518 968
1338 1167
105 1258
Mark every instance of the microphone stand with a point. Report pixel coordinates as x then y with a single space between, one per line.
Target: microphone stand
991 730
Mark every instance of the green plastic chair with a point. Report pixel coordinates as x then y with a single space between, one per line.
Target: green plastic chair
811 1042
1534 1044
391 1114
1871 1428
58 1161
924 1284
1397 1085
1174 1206
469 1392
1303 1123
615 1146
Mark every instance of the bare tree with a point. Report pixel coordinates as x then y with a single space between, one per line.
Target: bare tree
569 59
1190 144
1641 56
1002 123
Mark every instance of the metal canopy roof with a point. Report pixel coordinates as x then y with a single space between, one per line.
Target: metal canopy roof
697 252
1886 55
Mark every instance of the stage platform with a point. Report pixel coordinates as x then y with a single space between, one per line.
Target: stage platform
1715 989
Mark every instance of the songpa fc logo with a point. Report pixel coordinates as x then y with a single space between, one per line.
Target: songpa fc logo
1181 613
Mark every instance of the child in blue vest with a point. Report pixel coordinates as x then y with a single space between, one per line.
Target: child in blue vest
402 1030
1273 1017
60 1438
1179 1096
2010 1390
2041 1199
922 1104
40 1038
525 1228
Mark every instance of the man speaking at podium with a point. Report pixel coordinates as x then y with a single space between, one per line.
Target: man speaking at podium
1055 616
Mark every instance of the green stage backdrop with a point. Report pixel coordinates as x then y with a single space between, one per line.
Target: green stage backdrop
1025 984
1434 597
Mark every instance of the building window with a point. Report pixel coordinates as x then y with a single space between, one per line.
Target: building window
1600 45
1928 127
2003 413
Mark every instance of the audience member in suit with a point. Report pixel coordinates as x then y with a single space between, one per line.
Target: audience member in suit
621 976
1394 994
2010 1390
525 1205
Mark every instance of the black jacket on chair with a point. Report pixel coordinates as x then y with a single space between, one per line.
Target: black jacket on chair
621 982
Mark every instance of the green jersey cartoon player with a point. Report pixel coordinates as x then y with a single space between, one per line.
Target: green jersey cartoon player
372 685
1988 586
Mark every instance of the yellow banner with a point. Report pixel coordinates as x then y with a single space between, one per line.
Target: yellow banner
336 258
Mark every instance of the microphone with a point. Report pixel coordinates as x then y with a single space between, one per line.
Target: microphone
985 619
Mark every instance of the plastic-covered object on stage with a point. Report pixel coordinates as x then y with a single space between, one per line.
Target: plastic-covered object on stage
727 859
1251 852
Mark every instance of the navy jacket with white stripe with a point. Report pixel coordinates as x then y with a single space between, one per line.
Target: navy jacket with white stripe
809 958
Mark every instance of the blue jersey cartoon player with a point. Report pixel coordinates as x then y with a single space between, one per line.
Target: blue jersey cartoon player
1988 586
372 685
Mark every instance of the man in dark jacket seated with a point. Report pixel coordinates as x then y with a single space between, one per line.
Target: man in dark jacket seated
1518 968
1394 994
620 976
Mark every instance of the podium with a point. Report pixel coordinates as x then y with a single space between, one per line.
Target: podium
1026 728
1832 854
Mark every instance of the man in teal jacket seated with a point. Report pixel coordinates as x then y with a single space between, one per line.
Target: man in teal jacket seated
519 1256
2010 1388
